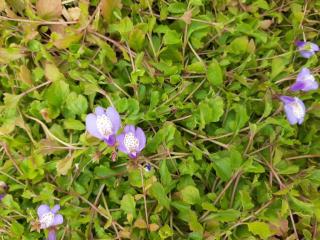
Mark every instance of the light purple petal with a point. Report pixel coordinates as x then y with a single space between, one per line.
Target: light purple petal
297 86
311 85
303 74
114 117
306 54
129 128
91 125
290 115
52 234
286 99
1 196
314 47
58 219
99 110
121 146
55 208
141 137
43 209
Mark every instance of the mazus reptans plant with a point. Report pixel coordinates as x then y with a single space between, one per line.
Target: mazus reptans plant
294 109
307 49
104 124
305 81
49 219
131 141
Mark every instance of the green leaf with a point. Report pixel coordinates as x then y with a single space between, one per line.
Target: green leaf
157 191
214 73
76 104
135 178
229 215
165 232
52 72
73 124
57 93
165 174
226 162
171 37
64 165
191 195
128 204
260 228
211 110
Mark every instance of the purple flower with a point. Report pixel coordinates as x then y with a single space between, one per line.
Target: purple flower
305 81
294 109
49 217
307 49
131 141
1 196
104 124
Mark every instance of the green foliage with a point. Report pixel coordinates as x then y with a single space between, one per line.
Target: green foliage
201 78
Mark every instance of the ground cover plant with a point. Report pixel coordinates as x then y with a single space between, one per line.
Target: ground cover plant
154 119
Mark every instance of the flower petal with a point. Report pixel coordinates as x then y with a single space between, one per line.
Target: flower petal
43 209
91 126
58 219
52 234
141 137
311 85
114 117
121 146
297 86
306 54
290 115
314 47
99 110
55 208
286 99
110 140
303 74
300 44
129 128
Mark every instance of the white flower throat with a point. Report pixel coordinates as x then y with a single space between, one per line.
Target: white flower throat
131 142
297 110
46 220
104 125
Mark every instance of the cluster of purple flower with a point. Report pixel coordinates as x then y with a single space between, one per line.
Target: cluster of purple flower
294 108
105 124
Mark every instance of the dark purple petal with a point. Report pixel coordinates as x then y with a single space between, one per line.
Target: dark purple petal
110 140
141 137
114 117
52 234
55 208
121 146
300 44
133 154
1 196
91 126
297 86
58 219
99 111
43 209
